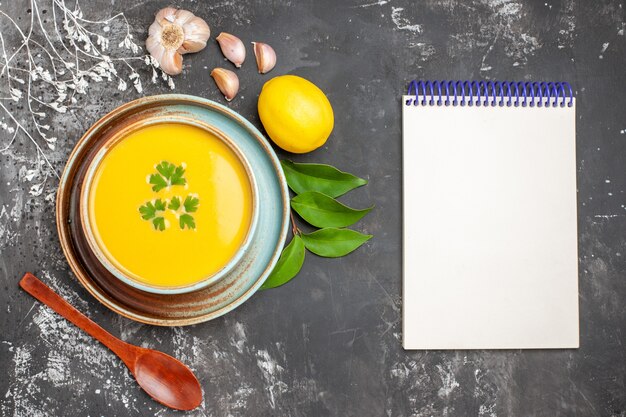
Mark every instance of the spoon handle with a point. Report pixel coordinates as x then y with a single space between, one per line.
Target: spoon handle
46 295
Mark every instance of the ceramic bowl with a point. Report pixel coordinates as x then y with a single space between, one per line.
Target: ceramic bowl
237 284
122 131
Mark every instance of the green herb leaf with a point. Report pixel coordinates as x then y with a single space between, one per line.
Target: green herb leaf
191 204
159 223
159 204
177 177
322 178
168 174
288 265
147 211
322 211
174 203
166 169
332 242
158 182
187 220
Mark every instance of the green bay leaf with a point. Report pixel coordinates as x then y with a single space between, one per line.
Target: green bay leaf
322 178
332 242
320 210
288 265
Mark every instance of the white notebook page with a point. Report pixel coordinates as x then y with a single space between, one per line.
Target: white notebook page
490 236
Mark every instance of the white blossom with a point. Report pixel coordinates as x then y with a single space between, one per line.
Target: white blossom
36 189
58 107
16 94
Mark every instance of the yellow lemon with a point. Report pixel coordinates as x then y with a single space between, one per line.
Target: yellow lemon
296 114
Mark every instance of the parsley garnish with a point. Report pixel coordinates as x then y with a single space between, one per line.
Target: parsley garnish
158 182
166 168
147 211
150 211
187 220
167 176
174 203
191 204
159 223
159 204
177 177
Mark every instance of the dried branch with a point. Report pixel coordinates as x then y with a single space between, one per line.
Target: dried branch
57 62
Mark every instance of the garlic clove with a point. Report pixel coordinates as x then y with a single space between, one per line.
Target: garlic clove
232 47
197 32
265 57
154 47
165 15
181 17
155 30
171 62
227 81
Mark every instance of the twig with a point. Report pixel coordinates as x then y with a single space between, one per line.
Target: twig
294 227
32 140
52 74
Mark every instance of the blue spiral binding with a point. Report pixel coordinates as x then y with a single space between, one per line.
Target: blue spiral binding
490 93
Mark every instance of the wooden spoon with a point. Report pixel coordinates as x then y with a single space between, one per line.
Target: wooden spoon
164 378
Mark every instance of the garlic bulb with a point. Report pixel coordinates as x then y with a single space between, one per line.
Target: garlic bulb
173 33
227 81
232 48
265 57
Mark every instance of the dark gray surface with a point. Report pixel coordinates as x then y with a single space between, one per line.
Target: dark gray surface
329 342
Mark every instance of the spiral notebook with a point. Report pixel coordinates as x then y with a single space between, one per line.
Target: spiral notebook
489 197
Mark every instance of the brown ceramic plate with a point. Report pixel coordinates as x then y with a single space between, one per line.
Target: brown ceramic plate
240 282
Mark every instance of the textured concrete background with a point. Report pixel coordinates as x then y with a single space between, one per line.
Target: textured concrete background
328 344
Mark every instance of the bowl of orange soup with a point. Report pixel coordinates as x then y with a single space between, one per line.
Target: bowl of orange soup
169 206
172 210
